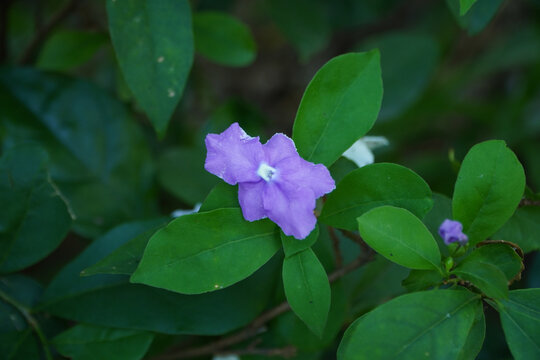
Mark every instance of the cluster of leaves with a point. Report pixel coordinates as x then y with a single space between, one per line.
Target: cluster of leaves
80 165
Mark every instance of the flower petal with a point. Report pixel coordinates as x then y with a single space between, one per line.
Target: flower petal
360 154
233 155
291 208
301 173
250 197
279 147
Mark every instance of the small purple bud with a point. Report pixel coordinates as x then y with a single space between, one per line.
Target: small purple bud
452 231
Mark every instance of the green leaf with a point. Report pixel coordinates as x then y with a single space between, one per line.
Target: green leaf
372 186
501 256
88 342
181 172
429 324
307 289
422 280
303 23
339 106
153 41
488 189
475 338
17 338
222 195
223 39
290 330
341 168
408 61
520 317
126 258
478 16
110 300
292 246
522 229
99 158
400 237
33 209
486 277
66 49
465 5
206 251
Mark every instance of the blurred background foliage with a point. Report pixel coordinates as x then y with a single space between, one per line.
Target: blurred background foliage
449 83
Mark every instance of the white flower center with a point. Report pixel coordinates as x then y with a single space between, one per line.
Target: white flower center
266 172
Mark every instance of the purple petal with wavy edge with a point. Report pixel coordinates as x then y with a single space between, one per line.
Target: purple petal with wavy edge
291 208
452 231
297 171
233 155
250 197
279 147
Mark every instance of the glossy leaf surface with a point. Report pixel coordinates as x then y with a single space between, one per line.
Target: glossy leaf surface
372 186
153 41
339 106
400 237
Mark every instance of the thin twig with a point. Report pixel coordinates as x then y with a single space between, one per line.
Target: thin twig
529 202
357 239
335 246
257 325
285 352
40 37
25 312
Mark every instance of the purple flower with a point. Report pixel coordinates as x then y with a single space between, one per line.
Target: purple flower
452 231
273 180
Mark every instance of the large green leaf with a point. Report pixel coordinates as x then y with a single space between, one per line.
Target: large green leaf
66 49
408 60
307 289
522 228
181 171
485 276
34 218
339 106
520 317
475 338
223 39
499 255
88 342
488 189
372 186
465 5
430 324
99 158
400 237
17 338
110 300
153 41
292 331
125 259
206 252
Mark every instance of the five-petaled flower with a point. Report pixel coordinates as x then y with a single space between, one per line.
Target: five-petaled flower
452 231
273 180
